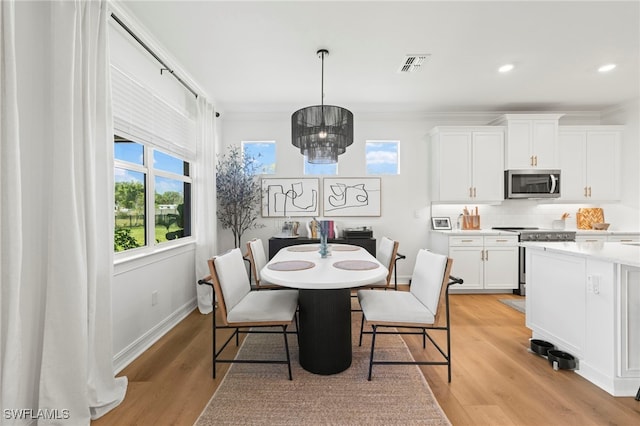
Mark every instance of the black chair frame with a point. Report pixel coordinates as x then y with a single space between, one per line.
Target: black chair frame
422 331
248 330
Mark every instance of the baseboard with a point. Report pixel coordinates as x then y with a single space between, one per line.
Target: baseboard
135 349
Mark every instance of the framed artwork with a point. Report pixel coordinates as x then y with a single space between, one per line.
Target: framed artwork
440 223
351 196
285 197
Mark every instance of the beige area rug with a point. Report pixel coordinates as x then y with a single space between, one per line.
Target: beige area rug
261 394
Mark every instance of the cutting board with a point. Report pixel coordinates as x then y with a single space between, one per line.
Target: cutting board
586 216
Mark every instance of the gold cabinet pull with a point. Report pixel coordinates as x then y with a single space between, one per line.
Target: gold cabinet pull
536 160
531 160
589 191
585 191
474 192
470 192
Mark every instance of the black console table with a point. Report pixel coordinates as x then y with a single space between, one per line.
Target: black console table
275 244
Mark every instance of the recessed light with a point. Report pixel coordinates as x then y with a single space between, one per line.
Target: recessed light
606 68
505 68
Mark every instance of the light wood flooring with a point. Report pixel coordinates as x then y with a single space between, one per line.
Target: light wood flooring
496 380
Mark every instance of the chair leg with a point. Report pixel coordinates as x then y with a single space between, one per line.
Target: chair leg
213 355
373 344
424 338
361 330
286 348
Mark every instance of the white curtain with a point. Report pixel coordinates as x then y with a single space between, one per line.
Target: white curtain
65 286
10 215
205 200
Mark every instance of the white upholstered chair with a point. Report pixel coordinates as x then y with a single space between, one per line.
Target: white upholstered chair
258 259
247 311
421 308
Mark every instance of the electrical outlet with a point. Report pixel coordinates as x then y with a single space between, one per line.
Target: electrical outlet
154 298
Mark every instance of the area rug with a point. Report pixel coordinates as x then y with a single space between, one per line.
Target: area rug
261 394
517 304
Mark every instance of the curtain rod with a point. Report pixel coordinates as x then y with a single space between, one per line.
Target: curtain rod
152 53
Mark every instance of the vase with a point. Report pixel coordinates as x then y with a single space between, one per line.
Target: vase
324 248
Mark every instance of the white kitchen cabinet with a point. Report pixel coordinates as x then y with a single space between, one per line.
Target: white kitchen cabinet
500 262
601 238
484 262
590 162
467 164
624 238
531 141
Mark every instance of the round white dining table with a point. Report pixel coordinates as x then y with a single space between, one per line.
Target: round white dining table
324 300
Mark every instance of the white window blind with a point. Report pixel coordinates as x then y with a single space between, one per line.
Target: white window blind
140 115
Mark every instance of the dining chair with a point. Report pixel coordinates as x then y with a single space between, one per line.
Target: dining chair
258 259
424 307
245 310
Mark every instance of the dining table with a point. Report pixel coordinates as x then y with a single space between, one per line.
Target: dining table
324 285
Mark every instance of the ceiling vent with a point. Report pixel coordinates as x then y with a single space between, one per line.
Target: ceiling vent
413 63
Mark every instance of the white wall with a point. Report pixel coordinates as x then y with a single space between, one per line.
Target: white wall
169 271
406 204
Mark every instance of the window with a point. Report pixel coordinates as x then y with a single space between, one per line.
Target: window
382 157
319 169
147 179
264 154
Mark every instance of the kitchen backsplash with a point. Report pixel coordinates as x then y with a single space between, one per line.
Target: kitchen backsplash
536 214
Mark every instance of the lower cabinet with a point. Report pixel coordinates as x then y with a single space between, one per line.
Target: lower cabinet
484 262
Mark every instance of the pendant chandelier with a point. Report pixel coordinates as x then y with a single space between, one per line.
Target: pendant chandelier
322 132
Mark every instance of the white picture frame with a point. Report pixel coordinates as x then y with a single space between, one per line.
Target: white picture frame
440 223
351 196
290 197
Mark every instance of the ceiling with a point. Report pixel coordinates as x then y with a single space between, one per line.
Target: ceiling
261 56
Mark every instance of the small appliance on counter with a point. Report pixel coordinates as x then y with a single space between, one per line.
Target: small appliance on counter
359 232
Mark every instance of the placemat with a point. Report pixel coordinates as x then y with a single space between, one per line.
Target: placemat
355 265
345 248
304 247
291 265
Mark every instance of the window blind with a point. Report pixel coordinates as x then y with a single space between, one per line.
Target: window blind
142 116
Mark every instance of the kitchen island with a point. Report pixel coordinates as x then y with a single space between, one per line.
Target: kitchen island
585 299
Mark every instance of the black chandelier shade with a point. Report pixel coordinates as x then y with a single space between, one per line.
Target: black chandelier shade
322 132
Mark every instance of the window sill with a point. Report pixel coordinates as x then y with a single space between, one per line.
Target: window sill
137 258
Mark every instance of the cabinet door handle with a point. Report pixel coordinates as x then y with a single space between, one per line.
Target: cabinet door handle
585 191
531 160
536 160
626 241
501 241
482 255
470 192
591 241
486 255
467 241
589 191
474 192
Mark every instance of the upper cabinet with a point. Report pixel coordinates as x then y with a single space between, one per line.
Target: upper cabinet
590 162
467 163
531 141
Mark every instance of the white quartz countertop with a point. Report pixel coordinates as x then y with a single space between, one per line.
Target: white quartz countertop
479 232
622 253
595 232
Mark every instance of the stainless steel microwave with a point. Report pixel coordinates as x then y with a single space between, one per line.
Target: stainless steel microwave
531 184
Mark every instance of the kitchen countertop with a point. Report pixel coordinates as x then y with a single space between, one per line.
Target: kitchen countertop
622 253
478 232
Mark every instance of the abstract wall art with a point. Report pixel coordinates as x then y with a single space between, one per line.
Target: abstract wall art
290 197
351 196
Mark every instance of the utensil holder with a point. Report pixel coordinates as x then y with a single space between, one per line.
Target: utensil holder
471 222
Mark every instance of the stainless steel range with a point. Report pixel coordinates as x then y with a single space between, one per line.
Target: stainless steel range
534 235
